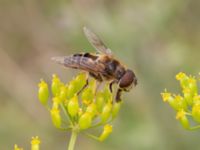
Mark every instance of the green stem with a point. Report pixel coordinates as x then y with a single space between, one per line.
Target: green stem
66 113
91 136
194 128
72 140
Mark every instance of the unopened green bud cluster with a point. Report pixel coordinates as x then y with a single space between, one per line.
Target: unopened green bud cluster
186 104
88 109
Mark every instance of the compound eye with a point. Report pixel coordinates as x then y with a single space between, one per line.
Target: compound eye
127 80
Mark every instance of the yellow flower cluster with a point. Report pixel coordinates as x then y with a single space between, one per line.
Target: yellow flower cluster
82 109
186 104
35 144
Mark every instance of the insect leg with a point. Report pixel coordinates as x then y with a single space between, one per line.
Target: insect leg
85 85
118 95
111 85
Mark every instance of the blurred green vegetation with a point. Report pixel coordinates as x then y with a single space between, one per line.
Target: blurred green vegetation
155 38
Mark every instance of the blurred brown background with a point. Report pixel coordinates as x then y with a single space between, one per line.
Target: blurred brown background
156 38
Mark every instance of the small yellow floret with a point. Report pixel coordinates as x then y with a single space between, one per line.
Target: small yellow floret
35 140
165 96
192 80
180 114
42 83
180 76
108 128
55 77
196 99
56 118
17 148
178 98
186 91
35 143
106 132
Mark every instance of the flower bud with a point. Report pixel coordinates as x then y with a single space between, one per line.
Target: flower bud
87 96
181 115
76 85
56 102
196 99
99 102
92 109
188 96
35 143
107 95
183 78
71 89
178 103
73 106
63 93
106 112
166 96
43 92
106 132
115 109
192 84
56 118
17 148
80 81
55 86
196 112
85 121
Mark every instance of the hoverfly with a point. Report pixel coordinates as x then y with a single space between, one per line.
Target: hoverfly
102 65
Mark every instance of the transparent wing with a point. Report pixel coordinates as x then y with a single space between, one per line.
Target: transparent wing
96 42
80 62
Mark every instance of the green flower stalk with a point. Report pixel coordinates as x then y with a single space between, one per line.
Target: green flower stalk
186 104
83 108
